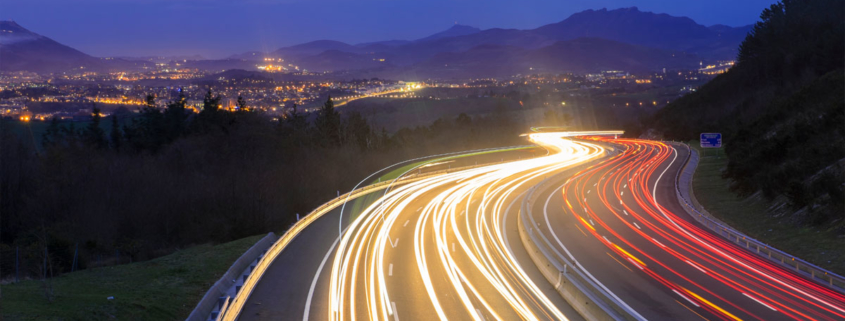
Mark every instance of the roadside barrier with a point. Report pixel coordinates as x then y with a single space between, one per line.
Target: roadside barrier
584 295
684 192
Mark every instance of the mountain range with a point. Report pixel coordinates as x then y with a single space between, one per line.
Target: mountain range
590 40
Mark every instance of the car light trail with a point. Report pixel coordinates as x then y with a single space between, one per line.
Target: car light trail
716 276
461 255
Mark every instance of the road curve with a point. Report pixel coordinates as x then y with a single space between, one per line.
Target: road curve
621 221
444 247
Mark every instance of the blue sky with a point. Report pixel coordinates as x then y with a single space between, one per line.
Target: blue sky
218 28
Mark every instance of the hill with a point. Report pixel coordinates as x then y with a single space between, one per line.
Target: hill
781 110
22 49
579 55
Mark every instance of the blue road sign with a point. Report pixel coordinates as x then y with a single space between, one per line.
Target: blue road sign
711 140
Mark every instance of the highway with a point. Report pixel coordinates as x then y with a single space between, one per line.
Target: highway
447 247
621 220
443 247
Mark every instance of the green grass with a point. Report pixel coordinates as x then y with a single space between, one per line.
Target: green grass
166 288
818 245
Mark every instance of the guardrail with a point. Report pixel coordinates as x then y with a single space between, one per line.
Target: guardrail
586 297
235 305
211 300
685 195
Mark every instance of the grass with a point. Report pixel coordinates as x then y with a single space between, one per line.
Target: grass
166 288
815 244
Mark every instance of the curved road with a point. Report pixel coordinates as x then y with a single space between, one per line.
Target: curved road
621 220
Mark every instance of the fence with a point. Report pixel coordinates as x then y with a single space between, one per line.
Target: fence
684 192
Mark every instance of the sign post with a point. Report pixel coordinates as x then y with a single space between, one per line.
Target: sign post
710 140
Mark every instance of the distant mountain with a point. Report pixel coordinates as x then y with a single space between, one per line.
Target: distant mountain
454 31
579 55
21 49
648 29
314 48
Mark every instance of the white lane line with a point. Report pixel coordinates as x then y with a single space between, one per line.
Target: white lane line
473 202
390 270
462 213
624 211
314 281
480 315
661 245
758 301
588 191
453 246
419 209
395 314
393 244
621 193
406 223
591 222
635 224
626 186
696 266
686 298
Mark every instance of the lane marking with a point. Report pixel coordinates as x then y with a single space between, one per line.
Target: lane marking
620 262
314 281
688 308
480 315
696 266
453 246
390 270
395 315
635 224
686 298
393 244
406 223
758 301
419 209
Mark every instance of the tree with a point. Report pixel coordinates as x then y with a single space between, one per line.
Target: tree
93 135
115 135
242 104
358 130
174 118
53 135
328 124
463 120
211 103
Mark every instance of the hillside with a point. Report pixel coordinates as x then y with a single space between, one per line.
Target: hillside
579 55
781 110
21 49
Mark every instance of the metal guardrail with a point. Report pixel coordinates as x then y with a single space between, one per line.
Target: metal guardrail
698 213
586 297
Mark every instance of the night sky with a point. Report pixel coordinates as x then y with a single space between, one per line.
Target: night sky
219 28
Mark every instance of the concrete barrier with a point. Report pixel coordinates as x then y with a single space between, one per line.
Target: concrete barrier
586 297
212 299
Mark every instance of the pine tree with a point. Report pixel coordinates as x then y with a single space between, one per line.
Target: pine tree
242 104
93 135
115 135
328 124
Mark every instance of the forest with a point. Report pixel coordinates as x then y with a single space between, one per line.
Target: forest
781 110
166 178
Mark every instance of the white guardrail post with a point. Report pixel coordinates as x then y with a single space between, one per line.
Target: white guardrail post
686 197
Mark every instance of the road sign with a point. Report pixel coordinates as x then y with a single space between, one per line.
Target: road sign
711 140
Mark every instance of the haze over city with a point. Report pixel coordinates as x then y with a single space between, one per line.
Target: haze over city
210 160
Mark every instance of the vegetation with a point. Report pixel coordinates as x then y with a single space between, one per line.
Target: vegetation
168 178
781 111
166 288
751 215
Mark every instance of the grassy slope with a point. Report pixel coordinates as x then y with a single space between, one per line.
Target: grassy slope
818 245
166 288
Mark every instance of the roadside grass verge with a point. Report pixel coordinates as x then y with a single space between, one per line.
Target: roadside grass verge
165 288
816 244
